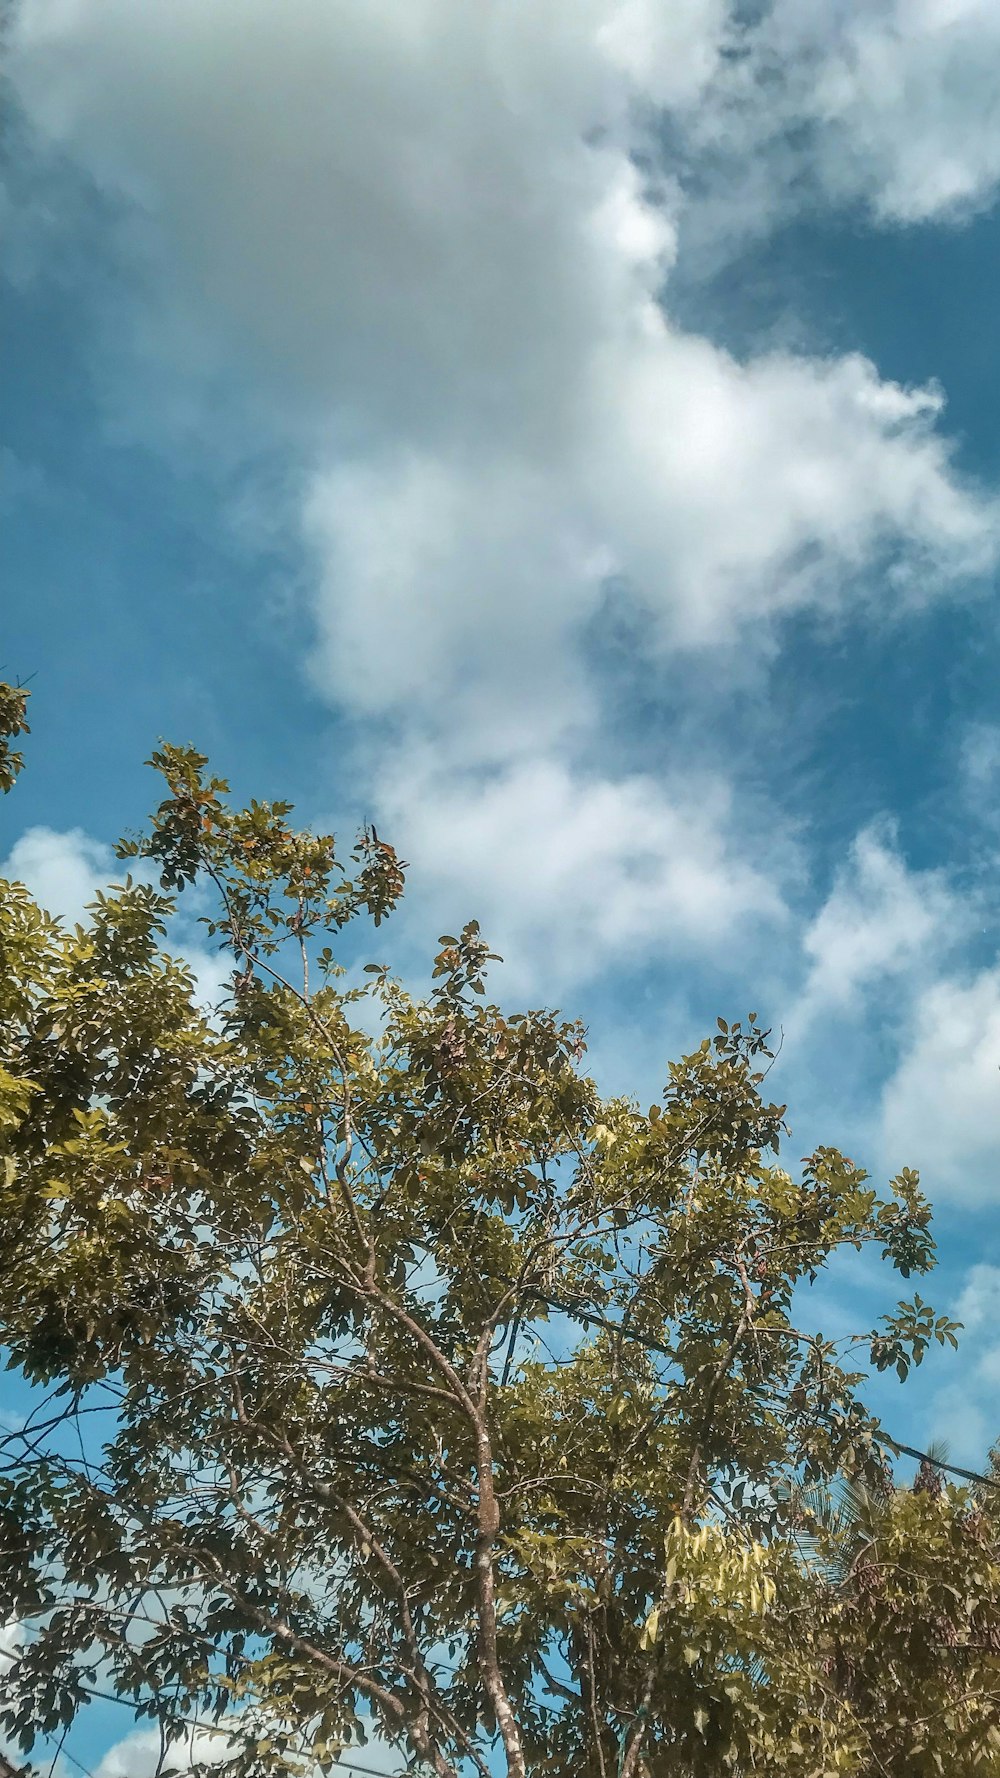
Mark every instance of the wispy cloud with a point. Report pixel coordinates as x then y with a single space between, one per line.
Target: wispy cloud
882 927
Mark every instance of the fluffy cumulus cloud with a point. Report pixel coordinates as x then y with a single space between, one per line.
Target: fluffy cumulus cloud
942 1104
569 874
446 590
723 494
64 871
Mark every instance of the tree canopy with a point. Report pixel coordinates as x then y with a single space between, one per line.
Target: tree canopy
392 1381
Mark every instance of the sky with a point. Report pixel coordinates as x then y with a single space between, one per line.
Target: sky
567 436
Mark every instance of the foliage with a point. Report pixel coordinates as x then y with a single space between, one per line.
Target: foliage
394 1380
13 722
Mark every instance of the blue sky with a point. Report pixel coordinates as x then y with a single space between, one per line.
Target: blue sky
568 436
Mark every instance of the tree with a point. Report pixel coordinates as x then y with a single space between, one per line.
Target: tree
390 1379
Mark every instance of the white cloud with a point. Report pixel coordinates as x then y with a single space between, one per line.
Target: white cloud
446 592
905 103
963 1412
569 873
423 230
978 1306
888 103
724 494
139 1754
941 1108
880 921
988 1369
11 1639
963 1418
732 492
376 1755
64 871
